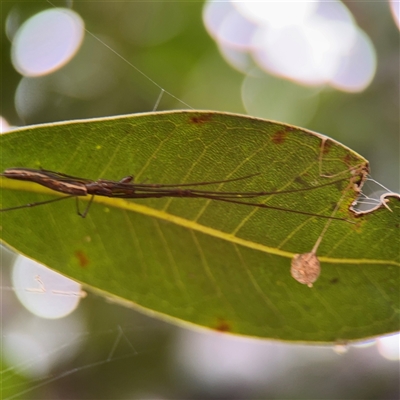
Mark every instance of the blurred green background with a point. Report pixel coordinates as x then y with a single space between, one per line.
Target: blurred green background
169 43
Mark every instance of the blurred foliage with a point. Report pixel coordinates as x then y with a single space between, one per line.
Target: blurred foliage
167 41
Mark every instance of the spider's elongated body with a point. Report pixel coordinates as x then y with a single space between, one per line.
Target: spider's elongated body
127 189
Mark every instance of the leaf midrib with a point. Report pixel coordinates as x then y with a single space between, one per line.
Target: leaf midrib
126 205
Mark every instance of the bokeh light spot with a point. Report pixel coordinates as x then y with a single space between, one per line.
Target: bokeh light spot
19 347
4 125
33 347
357 68
395 8
47 41
44 292
310 43
276 14
389 347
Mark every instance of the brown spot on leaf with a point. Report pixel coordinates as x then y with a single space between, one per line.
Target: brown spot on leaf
348 159
334 280
301 181
200 118
223 325
279 137
82 259
326 146
338 186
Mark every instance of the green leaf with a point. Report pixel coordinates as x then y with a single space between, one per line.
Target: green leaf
219 265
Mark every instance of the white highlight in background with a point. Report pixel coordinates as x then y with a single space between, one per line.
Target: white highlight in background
277 14
311 43
44 292
4 125
215 360
389 347
47 41
395 8
32 346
